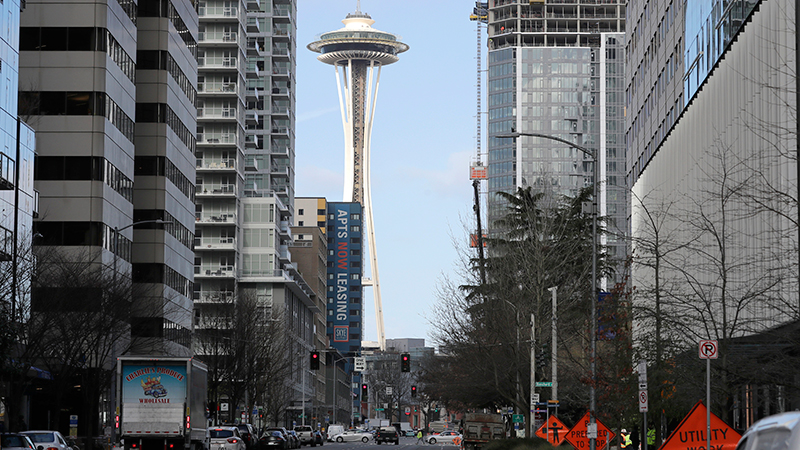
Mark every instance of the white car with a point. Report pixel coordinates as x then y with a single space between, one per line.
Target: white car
445 437
353 435
47 440
226 438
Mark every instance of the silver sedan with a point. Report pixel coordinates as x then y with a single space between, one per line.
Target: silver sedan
353 435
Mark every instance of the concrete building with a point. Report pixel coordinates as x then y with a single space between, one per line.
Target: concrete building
711 130
310 254
556 68
89 70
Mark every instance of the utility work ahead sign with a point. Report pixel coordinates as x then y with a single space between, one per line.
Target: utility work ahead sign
691 433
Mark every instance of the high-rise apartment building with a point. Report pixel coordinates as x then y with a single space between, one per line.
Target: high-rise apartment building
109 86
556 68
245 170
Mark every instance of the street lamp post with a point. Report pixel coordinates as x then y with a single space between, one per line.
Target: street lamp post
592 429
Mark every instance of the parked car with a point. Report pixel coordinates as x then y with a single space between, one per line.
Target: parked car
305 434
776 431
387 434
445 437
272 440
295 438
47 440
290 442
410 433
226 438
333 430
353 435
15 441
249 434
319 439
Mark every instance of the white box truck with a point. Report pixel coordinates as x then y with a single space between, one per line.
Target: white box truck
161 403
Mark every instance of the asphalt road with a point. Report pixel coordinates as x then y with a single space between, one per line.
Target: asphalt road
406 443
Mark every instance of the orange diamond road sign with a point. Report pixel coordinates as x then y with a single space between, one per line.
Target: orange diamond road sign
578 438
691 432
553 430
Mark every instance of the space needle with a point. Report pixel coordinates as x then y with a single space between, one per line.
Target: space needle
358 52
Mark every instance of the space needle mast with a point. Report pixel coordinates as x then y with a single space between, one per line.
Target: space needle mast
358 52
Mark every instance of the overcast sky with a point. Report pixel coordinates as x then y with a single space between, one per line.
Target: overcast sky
422 145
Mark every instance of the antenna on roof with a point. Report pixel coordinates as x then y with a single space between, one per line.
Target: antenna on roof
358 5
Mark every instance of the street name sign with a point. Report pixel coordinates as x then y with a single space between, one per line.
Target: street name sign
544 384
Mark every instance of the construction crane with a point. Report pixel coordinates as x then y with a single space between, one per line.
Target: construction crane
478 172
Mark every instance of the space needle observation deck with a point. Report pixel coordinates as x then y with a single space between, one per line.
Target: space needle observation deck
358 52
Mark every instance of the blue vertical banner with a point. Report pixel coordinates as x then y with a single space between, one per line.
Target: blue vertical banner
344 275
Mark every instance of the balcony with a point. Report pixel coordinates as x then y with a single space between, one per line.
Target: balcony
215 218
282 11
251 118
215 190
284 255
222 165
229 37
280 110
218 12
255 70
214 271
217 88
254 4
253 94
219 114
216 138
279 171
255 48
208 63
250 141
214 243
252 25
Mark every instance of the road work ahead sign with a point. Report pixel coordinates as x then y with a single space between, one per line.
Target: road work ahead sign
691 433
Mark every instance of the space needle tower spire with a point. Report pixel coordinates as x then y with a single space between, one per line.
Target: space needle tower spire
358 52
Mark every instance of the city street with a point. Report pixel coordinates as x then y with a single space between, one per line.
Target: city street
405 442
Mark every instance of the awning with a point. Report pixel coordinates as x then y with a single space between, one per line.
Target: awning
35 372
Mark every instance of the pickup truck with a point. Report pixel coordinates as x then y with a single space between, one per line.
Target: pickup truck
306 435
387 434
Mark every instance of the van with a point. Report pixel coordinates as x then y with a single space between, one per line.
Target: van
781 431
333 430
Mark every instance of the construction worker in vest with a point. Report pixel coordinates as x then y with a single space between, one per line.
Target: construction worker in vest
625 442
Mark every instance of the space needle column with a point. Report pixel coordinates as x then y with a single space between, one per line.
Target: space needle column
358 52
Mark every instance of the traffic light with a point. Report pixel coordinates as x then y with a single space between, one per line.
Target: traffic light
363 391
405 362
314 360
413 391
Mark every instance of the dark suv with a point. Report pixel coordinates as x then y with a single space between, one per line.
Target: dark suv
387 434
